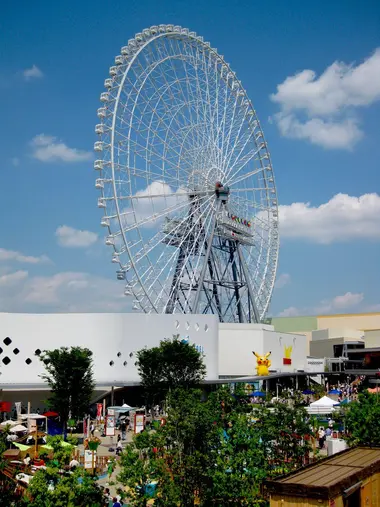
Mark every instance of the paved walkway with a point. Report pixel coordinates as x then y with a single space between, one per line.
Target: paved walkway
103 450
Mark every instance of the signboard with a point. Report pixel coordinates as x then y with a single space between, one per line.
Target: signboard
89 459
139 422
32 423
374 381
110 425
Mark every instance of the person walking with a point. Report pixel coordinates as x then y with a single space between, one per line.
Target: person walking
321 437
119 446
110 468
123 429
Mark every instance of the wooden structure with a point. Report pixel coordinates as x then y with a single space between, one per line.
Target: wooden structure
350 478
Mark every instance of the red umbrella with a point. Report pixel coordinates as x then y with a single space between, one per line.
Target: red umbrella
51 414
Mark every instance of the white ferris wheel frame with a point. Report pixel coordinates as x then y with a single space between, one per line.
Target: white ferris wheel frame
110 168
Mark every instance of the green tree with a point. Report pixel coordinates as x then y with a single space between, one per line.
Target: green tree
208 453
139 467
70 377
174 363
49 488
361 420
285 436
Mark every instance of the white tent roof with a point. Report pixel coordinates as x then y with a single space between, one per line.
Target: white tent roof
17 428
9 422
35 416
324 402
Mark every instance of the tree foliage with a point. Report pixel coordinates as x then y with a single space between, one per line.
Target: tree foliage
214 452
285 435
362 420
174 363
49 488
70 377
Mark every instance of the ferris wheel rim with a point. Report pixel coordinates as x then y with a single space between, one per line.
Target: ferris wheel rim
193 36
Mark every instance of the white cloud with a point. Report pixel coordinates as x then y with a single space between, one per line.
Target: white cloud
336 304
373 308
12 278
343 218
282 280
74 238
144 208
327 103
64 292
347 300
326 133
49 149
11 255
292 311
33 73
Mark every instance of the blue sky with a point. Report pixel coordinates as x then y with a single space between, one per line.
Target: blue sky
322 130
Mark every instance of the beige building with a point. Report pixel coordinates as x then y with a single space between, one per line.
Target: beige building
372 338
329 342
326 331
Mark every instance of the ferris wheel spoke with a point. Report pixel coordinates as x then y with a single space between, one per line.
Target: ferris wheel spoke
175 253
175 121
244 176
167 107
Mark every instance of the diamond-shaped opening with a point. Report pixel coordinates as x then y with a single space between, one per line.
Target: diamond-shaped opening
136 363
1 350
196 326
118 354
177 324
131 354
28 361
6 360
111 363
7 341
16 351
187 326
125 363
206 328
37 352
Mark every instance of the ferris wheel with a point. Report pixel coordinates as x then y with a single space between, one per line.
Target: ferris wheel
187 186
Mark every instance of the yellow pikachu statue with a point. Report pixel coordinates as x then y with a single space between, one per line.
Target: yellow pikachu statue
262 364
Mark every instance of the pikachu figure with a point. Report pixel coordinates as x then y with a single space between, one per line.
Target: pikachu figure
262 364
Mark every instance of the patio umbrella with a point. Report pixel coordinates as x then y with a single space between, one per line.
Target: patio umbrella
22 447
50 413
258 393
18 428
48 447
308 391
334 391
9 422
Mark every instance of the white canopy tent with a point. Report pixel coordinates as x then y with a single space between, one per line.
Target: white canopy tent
18 428
325 405
8 423
122 408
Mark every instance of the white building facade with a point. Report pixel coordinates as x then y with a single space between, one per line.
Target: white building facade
114 340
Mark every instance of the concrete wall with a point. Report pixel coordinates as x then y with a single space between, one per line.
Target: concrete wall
324 348
237 341
346 334
113 338
362 321
372 338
